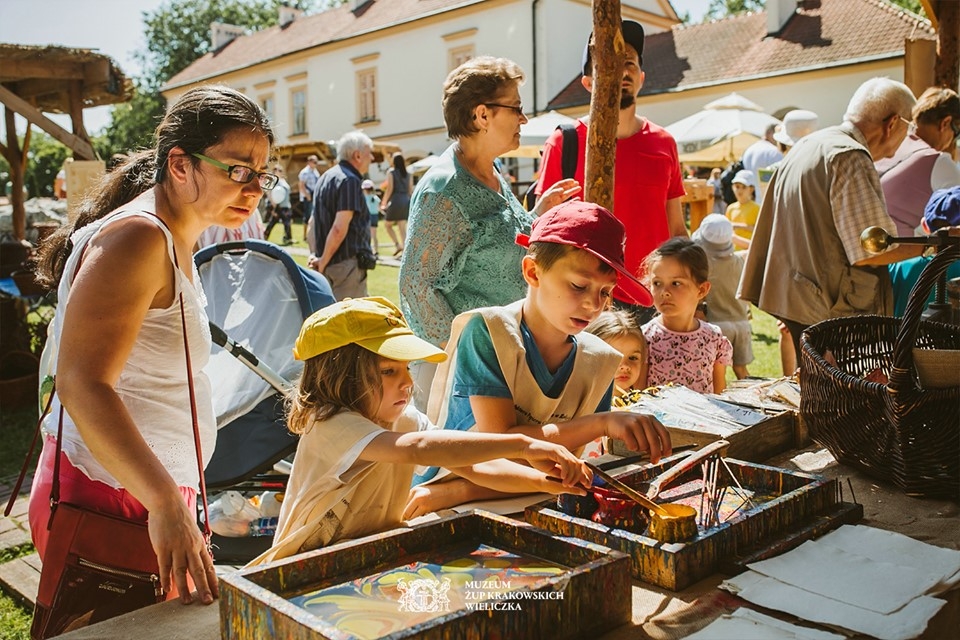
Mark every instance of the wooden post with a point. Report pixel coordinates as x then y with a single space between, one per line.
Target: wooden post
76 117
15 158
607 50
947 73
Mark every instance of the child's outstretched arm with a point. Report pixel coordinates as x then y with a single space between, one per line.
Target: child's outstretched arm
486 480
447 448
640 432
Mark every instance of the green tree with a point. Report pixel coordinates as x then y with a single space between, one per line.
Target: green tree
723 8
177 33
44 159
911 5
131 123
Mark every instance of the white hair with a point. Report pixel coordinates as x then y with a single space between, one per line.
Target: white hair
352 141
878 99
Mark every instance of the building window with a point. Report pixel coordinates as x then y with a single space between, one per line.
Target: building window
459 55
266 103
299 102
367 95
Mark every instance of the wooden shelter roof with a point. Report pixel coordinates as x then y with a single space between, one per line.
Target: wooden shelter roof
42 76
35 80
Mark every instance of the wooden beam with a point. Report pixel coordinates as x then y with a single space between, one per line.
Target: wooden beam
607 53
96 72
930 8
25 150
37 88
947 71
76 110
14 158
35 68
82 149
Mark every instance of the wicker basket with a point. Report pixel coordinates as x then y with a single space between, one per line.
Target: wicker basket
896 431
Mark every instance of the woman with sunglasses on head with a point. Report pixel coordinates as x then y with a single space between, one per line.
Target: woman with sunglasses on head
460 252
924 162
121 271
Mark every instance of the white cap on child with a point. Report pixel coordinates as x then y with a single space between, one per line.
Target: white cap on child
715 229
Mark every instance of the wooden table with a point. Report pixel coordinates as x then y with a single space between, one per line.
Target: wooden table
657 614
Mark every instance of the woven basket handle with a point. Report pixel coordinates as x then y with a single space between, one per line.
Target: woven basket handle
900 376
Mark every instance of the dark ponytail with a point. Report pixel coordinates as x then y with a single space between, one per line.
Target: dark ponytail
116 188
400 166
200 119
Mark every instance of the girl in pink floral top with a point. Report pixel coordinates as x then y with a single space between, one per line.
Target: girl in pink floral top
682 349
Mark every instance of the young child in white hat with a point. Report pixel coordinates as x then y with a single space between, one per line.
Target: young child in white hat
715 236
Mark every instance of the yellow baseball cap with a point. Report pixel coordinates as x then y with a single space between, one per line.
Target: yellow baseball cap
374 323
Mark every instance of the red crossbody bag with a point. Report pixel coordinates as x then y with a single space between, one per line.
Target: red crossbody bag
96 565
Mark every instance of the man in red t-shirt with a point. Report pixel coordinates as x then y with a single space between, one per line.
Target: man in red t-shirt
647 183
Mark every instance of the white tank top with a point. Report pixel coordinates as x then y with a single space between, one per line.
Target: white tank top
153 382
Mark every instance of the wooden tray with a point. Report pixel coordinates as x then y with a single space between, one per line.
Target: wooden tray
417 582
793 506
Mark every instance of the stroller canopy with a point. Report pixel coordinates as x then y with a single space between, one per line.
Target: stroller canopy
260 297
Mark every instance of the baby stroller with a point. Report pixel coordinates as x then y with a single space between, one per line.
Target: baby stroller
259 297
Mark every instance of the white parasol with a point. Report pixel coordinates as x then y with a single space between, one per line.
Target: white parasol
721 132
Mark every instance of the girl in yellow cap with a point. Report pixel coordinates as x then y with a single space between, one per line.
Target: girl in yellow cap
361 438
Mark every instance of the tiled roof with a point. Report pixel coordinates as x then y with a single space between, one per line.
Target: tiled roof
823 33
310 31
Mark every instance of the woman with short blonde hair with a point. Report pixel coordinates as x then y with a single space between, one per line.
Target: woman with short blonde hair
464 218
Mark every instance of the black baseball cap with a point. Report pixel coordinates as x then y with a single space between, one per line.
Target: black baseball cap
632 35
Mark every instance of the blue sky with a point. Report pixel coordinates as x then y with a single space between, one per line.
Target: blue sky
114 28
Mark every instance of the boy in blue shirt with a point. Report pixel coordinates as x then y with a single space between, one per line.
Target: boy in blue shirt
527 368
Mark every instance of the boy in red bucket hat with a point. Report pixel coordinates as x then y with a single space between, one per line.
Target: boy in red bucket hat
527 367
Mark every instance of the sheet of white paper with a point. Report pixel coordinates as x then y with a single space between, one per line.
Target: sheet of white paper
746 624
825 570
805 632
730 628
909 622
896 548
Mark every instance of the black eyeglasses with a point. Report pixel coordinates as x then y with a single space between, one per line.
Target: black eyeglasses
518 109
242 174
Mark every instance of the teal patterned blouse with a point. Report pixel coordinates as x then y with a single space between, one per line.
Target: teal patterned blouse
461 250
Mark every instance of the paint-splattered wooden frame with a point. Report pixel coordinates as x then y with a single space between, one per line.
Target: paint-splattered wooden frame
807 506
597 587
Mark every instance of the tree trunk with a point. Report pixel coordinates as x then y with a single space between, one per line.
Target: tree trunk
607 53
947 73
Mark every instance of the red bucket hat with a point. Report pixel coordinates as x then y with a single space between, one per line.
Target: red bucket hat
590 227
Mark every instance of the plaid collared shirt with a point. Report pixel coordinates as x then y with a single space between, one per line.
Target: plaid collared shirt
856 198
